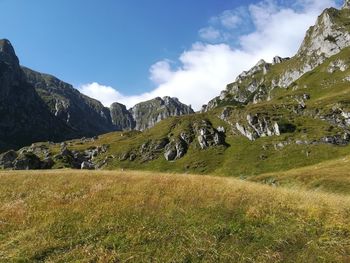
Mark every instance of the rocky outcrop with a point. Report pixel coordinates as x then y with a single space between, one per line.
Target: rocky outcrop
28 161
327 38
337 65
278 60
122 119
176 149
337 116
201 135
208 136
80 159
7 159
346 4
149 113
258 126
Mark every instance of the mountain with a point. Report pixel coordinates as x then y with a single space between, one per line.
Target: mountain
86 116
328 37
40 107
282 115
25 118
121 117
147 114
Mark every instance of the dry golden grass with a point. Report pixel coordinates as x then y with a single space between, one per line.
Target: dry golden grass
115 216
330 176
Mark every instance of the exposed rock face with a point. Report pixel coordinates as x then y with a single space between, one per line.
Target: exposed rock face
277 60
87 166
175 149
27 161
86 116
258 126
337 65
24 116
248 87
346 4
121 118
208 136
149 113
7 159
325 39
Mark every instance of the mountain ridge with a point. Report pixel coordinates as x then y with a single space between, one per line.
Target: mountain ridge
61 111
256 126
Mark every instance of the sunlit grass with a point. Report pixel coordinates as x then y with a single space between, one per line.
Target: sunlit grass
105 216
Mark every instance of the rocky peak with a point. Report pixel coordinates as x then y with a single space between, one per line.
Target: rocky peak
328 36
121 117
7 52
346 4
147 114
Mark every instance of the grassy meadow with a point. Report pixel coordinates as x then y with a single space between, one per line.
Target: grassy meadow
130 216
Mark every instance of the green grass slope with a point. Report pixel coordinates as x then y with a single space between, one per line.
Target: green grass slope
241 157
110 216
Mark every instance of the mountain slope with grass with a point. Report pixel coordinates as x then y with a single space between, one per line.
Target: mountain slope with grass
39 107
275 117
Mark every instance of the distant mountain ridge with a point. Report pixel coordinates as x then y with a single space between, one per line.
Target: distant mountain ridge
38 107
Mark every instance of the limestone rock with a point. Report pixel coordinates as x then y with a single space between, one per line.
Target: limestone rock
258 126
7 159
149 113
176 149
122 119
278 60
87 166
337 65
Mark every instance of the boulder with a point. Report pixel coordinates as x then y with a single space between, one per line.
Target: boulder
175 149
7 159
27 161
170 153
47 163
87 166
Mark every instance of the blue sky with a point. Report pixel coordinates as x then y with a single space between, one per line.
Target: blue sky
110 41
146 48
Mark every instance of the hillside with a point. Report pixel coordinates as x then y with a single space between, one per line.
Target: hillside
277 116
66 216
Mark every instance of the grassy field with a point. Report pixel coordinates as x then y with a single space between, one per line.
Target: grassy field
330 176
118 216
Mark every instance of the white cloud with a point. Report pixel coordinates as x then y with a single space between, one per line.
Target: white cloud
231 19
206 68
210 34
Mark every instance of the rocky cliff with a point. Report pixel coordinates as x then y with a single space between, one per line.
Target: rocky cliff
25 118
84 115
147 114
122 118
